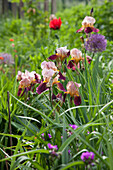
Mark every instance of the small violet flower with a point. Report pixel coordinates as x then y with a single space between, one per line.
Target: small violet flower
49 135
73 126
52 147
88 157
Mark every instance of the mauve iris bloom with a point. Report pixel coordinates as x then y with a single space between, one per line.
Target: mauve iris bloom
6 58
55 23
76 58
27 81
88 157
96 43
50 76
52 147
87 25
73 90
73 126
61 54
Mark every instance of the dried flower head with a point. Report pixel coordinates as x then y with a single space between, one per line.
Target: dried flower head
96 43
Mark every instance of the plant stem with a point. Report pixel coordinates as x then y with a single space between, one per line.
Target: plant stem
9 118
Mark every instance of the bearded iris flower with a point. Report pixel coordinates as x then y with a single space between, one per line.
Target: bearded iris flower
87 25
61 54
50 77
55 23
73 90
76 58
27 81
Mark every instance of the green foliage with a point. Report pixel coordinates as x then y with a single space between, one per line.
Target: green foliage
34 114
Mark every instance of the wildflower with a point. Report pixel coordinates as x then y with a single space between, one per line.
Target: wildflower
69 151
11 39
6 58
49 135
52 147
73 126
55 23
96 43
61 54
76 58
87 25
88 157
73 90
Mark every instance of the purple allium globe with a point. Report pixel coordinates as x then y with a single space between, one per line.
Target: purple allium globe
96 43
88 157
6 58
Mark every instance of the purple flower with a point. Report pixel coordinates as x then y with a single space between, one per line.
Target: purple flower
87 157
52 147
69 151
6 58
49 135
73 126
96 43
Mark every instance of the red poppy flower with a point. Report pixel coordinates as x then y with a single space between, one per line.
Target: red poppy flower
11 39
1 58
55 23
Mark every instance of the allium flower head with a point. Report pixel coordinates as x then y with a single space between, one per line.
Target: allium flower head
55 23
96 43
88 157
6 58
